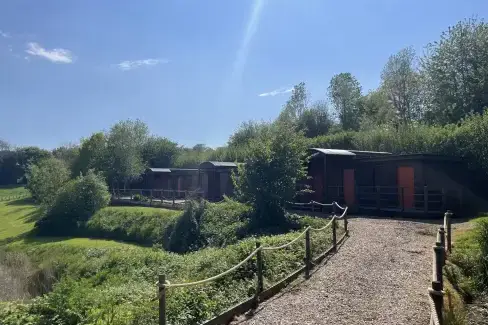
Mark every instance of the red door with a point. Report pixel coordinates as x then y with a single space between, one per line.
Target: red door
349 191
406 181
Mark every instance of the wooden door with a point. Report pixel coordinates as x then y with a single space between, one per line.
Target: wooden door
317 187
349 187
405 179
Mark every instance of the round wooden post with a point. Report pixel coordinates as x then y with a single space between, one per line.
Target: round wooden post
334 234
438 263
162 300
308 254
260 283
438 297
334 208
447 228
346 230
441 237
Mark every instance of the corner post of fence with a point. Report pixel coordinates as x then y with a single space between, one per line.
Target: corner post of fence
162 299
334 208
438 263
441 237
447 228
313 206
334 234
308 254
437 296
346 222
260 283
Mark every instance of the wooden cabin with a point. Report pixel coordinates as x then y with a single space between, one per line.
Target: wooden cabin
379 181
215 179
175 179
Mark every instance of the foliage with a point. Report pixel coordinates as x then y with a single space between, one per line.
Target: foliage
376 110
125 143
186 232
296 105
45 178
345 92
274 162
68 154
159 152
401 83
455 73
74 203
246 132
93 155
138 224
4 145
315 120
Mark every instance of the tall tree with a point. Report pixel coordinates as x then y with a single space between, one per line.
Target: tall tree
315 120
93 155
344 92
125 143
68 153
401 83
159 152
4 145
455 73
376 109
296 105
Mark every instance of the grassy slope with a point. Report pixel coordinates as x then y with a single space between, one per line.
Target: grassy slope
103 279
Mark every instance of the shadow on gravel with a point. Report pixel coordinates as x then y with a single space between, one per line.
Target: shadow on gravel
429 220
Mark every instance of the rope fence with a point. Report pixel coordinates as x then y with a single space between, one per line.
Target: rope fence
442 249
261 294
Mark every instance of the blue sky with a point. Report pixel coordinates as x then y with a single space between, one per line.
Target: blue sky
193 70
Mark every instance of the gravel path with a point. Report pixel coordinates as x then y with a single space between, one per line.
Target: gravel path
379 276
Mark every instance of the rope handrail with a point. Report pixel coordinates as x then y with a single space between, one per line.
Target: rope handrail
215 277
337 205
262 248
272 248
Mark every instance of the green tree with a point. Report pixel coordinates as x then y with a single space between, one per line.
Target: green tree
74 204
315 120
125 143
246 132
274 162
4 145
68 153
93 155
159 152
345 92
455 73
27 156
45 178
296 105
401 83
376 110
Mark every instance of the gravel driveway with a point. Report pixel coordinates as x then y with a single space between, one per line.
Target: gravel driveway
379 276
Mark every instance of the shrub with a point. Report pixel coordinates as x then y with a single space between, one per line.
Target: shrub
143 225
45 178
186 232
140 198
75 202
275 161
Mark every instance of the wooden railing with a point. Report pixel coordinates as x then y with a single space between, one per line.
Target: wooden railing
154 197
442 249
261 293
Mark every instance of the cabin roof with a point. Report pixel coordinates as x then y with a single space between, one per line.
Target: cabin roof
218 164
160 170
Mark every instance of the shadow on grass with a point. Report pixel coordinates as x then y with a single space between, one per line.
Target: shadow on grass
23 201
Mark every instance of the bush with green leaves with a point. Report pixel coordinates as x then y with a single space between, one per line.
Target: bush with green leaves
117 285
74 204
45 178
275 161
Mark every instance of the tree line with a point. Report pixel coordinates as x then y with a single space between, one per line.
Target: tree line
428 103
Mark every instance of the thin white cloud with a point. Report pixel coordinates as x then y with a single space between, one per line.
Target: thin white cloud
130 65
279 91
4 34
54 55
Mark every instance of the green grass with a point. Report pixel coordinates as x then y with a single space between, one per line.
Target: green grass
13 190
17 218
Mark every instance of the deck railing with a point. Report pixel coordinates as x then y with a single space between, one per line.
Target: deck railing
154 197
261 293
442 249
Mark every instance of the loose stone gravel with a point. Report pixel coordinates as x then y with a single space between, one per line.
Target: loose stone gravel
380 275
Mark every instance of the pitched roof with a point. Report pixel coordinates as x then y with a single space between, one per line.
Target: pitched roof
334 152
160 170
211 164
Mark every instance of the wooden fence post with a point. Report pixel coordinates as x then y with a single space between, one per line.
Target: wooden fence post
150 197
174 198
426 200
438 263
334 234
308 254
260 284
437 296
162 300
441 237
334 208
447 228
346 231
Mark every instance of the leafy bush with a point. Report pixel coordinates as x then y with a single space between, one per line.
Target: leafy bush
140 198
75 202
143 225
275 161
117 285
45 178
186 232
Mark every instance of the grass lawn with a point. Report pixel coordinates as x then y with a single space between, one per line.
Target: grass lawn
13 190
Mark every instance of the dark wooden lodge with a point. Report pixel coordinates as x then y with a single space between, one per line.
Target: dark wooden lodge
382 182
215 179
